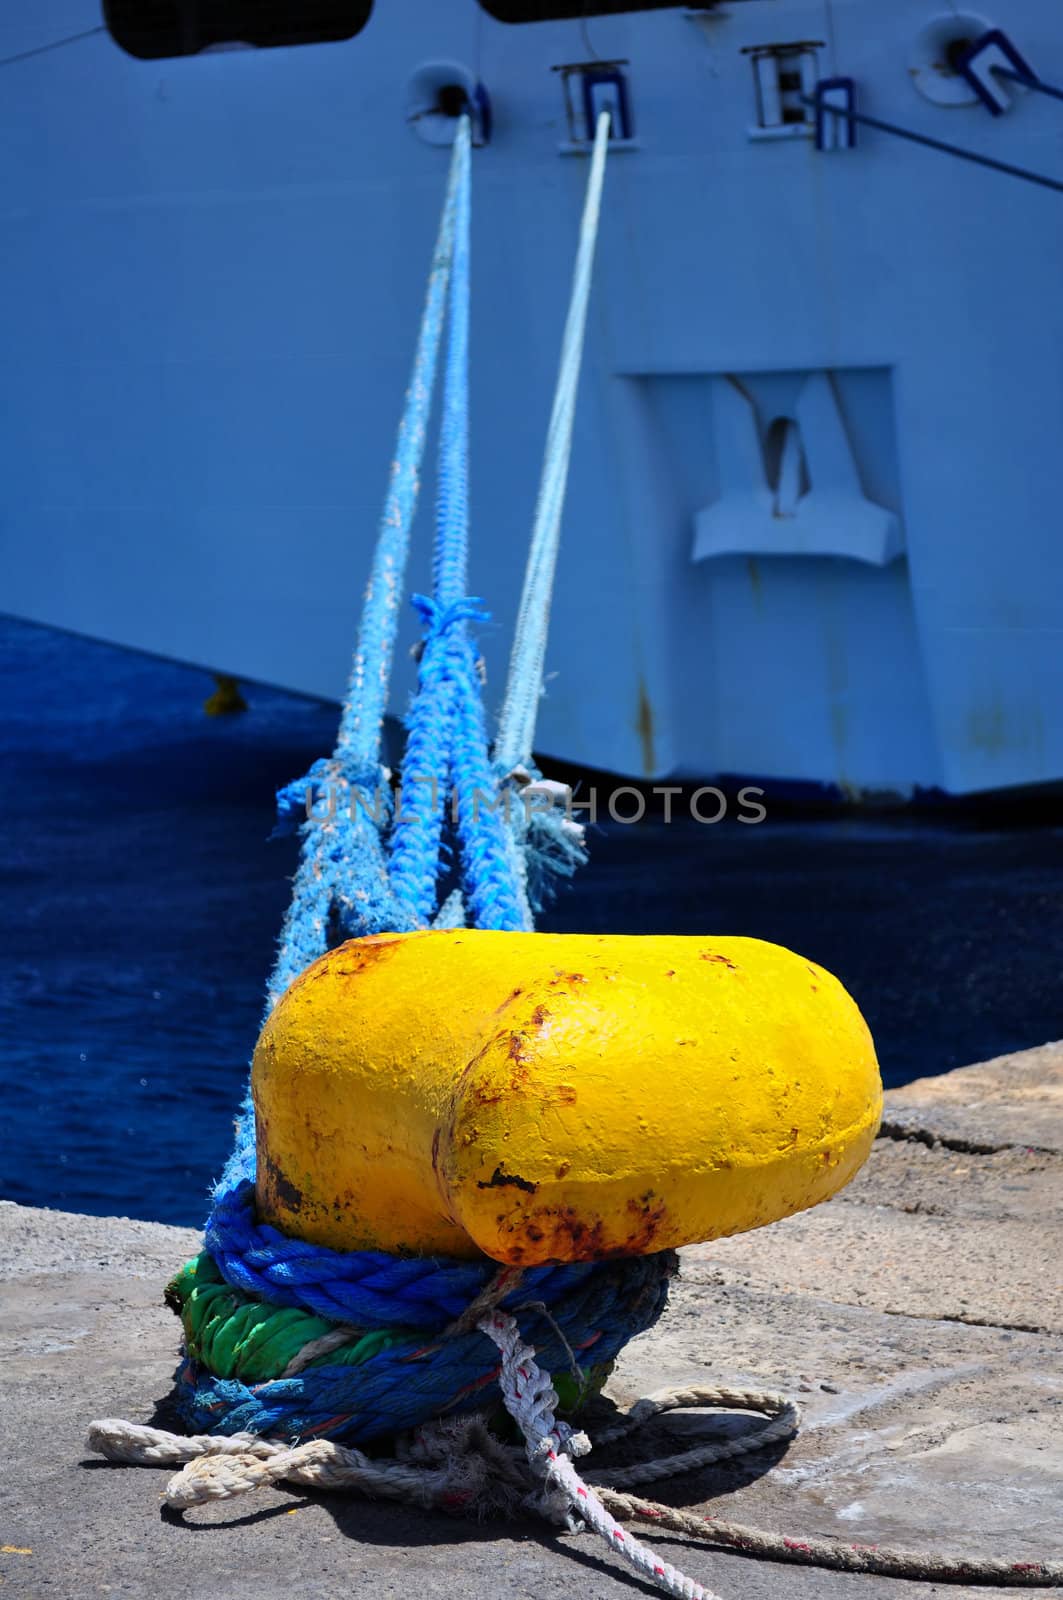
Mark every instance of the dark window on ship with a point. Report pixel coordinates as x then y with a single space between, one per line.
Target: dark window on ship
560 10
784 79
151 29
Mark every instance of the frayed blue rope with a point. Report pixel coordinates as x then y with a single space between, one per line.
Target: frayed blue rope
447 745
367 690
553 852
426 773
491 878
315 796
418 831
553 849
342 889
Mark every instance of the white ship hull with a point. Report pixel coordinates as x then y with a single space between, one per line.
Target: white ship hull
813 522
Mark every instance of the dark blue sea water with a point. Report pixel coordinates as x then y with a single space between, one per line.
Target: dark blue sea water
142 896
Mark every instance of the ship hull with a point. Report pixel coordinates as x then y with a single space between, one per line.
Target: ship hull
812 522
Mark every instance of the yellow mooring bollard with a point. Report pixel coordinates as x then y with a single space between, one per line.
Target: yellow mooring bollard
542 1097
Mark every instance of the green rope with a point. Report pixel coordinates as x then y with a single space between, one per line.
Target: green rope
233 1335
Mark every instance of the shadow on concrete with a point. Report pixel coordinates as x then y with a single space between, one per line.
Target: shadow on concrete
390 1526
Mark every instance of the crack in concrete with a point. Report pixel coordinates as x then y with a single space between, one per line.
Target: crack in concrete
970 1321
906 1133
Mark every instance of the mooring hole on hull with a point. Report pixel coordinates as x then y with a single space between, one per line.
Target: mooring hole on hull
451 99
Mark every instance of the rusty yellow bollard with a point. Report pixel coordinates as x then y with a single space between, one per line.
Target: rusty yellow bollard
556 1097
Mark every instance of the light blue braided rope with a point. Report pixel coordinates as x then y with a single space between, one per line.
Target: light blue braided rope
345 886
543 845
447 743
438 718
367 692
342 888
491 877
451 554
418 831
516 728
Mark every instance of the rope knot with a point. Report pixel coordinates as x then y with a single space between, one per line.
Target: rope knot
440 620
296 803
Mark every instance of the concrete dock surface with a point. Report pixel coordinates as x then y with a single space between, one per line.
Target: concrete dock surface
917 1319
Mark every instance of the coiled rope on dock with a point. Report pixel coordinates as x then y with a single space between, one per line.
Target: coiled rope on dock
255 1366
460 1465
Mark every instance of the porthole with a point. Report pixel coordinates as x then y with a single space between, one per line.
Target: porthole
440 92
933 57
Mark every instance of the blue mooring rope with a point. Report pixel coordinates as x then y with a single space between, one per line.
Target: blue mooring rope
342 885
516 723
359 1287
446 731
541 845
346 885
367 692
591 1312
417 837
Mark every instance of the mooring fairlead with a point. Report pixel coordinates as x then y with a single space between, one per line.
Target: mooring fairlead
471 1149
